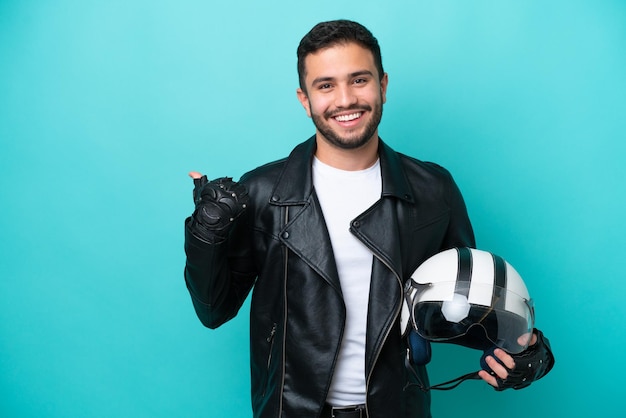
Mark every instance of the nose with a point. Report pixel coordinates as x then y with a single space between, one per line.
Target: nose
345 97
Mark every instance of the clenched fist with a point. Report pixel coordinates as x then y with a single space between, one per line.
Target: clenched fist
218 203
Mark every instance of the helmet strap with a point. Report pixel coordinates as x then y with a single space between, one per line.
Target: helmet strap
450 384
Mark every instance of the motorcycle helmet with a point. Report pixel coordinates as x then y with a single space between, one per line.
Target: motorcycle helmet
472 298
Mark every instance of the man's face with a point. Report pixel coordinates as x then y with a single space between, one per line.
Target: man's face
344 94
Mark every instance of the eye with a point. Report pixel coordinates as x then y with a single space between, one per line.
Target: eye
324 86
360 80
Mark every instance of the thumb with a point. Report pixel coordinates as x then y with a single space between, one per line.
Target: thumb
195 175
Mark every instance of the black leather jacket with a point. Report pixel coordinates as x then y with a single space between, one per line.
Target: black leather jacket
281 248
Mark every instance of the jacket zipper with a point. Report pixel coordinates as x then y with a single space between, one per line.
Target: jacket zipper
270 341
282 383
397 312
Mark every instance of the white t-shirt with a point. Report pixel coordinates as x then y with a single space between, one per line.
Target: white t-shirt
343 195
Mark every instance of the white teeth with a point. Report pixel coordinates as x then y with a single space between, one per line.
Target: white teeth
346 118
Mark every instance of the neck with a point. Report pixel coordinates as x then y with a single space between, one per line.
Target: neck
348 159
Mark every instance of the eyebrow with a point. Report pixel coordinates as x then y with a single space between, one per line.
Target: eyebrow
319 80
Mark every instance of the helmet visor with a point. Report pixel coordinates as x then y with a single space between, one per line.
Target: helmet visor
507 319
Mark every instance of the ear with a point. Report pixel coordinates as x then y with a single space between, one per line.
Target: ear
383 87
304 101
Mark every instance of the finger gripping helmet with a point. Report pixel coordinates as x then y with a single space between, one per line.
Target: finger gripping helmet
470 297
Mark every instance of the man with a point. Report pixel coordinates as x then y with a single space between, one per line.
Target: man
327 238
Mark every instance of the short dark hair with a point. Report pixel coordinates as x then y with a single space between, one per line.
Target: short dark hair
335 32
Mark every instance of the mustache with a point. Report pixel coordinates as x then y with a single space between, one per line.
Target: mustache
356 108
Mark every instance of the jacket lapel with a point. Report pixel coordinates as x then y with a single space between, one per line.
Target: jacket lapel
305 232
378 226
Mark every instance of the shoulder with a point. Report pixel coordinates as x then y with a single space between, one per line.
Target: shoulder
414 169
426 178
289 173
419 168
265 175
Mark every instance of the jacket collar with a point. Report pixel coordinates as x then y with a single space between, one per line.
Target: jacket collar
295 184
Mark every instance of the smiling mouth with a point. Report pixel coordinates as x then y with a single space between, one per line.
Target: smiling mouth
349 117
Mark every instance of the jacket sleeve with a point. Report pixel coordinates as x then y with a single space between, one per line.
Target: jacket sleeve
218 276
460 232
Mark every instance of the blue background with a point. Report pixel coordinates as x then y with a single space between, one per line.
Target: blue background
105 107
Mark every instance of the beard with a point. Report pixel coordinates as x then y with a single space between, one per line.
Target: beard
352 139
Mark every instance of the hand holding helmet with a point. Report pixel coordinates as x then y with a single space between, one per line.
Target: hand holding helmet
476 299
530 365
